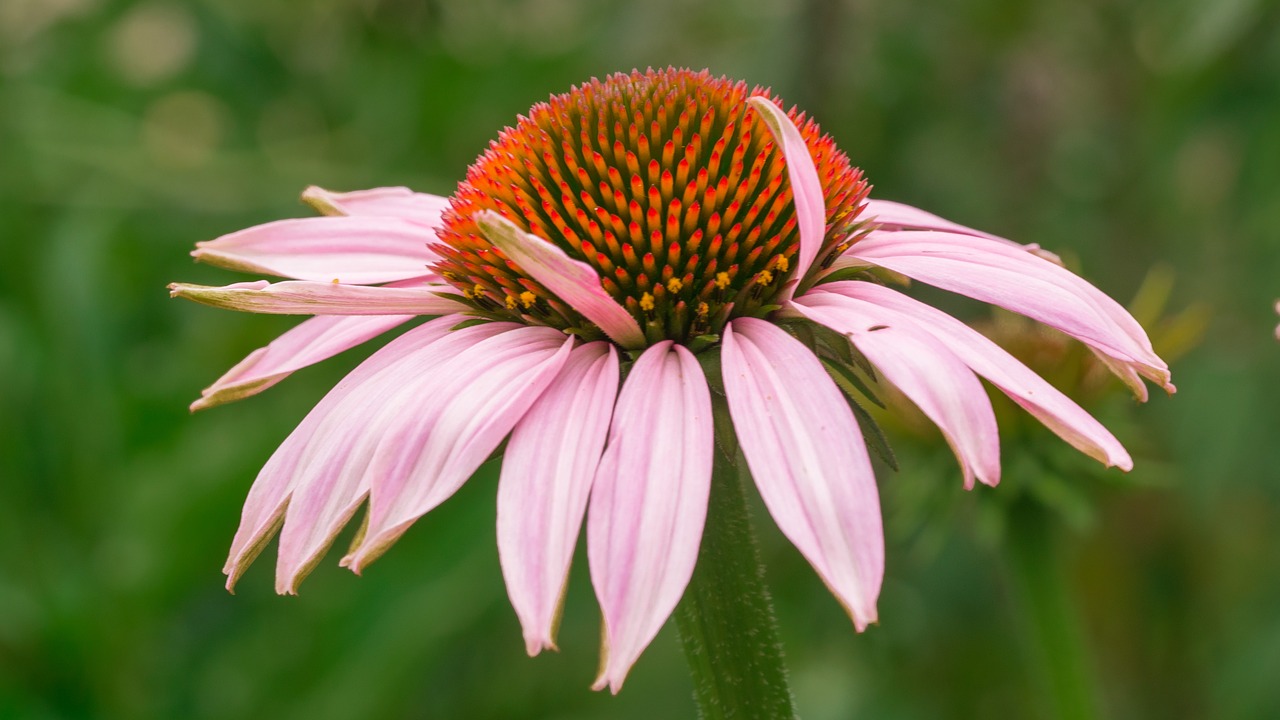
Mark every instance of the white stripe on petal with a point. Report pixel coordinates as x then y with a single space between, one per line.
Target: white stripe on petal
928 373
264 507
574 282
453 418
547 471
303 297
353 250
649 503
308 343
1058 412
808 459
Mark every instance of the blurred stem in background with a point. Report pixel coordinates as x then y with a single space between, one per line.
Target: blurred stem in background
1061 660
726 619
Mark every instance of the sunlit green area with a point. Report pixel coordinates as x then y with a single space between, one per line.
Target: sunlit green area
1126 136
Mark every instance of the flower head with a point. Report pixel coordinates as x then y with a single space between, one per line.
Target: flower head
647 225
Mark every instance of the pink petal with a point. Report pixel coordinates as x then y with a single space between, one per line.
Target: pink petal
452 420
547 470
893 216
649 502
311 341
927 372
808 459
303 297
265 505
806 187
385 201
1019 281
340 455
353 250
989 360
574 282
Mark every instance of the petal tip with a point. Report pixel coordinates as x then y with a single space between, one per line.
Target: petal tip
536 643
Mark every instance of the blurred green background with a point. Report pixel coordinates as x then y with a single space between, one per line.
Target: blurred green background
1127 135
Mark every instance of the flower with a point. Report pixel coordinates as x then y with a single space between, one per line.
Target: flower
654 223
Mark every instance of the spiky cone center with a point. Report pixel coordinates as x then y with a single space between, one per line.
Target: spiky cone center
667 183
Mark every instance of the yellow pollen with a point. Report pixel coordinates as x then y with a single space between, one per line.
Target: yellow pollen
466 293
335 281
528 299
703 309
674 285
783 264
722 280
478 290
511 302
765 277
646 302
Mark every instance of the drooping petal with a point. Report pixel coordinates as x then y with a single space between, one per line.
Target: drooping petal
929 374
574 282
384 201
352 250
1058 412
892 216
1023 283
806 187
461 411
303 297
340 458
547 471
265 505
808 459
308 343
649 503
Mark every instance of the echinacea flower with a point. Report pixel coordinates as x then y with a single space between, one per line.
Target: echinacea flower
649 226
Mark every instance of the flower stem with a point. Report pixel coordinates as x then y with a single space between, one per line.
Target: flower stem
1036 569
725 620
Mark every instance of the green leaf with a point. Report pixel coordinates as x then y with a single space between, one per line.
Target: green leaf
849 382
873 435
469 323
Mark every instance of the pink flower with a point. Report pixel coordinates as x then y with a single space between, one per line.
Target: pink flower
653 224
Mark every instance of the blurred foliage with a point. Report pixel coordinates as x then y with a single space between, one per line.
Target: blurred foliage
1129 134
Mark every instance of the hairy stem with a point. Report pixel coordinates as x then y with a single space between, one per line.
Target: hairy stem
726 620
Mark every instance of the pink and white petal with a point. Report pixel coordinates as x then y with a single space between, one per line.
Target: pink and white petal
353 250
310 342
928 374
574 282
649 503
338 457
806 187
384 201
265 505
1021 282
547 471
1058 412
475 398
808 459
305 297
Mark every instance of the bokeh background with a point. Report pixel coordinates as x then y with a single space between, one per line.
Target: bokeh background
1128 135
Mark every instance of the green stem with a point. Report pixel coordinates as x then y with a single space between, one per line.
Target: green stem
1035 563
726 620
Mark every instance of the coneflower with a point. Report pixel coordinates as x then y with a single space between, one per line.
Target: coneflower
680 231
